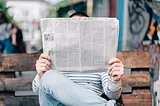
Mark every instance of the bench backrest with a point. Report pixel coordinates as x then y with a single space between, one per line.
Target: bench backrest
136 81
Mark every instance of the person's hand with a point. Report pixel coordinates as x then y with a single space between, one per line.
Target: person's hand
116 69
43 64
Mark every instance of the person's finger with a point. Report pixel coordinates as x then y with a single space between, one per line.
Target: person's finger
43 65
40 64
114 60
117 70
44 56
115 65
44 61
116 75
41 69
116 78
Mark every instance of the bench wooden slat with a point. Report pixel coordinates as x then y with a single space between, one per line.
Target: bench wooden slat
141 103
26 62
137 59
20 101
141 90
15 84
137 102
137 96
20 84
136 80
138 99
17 62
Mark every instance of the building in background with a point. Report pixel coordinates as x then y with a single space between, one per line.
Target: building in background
28 14
140 30
104 8
141 25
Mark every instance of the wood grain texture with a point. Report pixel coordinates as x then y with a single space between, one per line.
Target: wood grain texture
137 96
140 90
20 84
134 59
18 62
137 102
137 99
15 84
136 80
26 62
20 101
128 100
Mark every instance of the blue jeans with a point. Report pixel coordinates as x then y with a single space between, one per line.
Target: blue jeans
6 46
57 90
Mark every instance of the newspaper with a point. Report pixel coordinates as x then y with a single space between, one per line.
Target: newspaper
80 44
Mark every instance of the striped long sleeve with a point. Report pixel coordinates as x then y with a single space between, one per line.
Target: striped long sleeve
111 88
35 84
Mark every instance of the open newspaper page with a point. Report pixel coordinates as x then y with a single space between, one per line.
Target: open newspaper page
80 44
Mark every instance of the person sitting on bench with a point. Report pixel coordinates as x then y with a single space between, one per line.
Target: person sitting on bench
57 88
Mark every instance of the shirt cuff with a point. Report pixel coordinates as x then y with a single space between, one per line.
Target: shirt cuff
114 85
37 78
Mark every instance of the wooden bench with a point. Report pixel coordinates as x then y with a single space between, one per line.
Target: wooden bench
136 81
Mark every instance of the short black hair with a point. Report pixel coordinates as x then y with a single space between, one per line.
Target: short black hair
79 14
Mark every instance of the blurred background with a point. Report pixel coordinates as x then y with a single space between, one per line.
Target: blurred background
139 23
139 19
27 14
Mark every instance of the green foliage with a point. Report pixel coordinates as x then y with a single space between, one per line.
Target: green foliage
2 6
5 9
41 50
52 12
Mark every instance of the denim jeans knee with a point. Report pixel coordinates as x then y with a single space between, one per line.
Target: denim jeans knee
49 79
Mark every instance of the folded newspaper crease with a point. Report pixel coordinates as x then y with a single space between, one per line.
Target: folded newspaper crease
80 44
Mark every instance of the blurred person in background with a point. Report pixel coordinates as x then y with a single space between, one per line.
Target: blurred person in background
16 38
11 38
5 25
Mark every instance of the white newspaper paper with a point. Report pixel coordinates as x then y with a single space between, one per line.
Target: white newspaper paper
80 44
